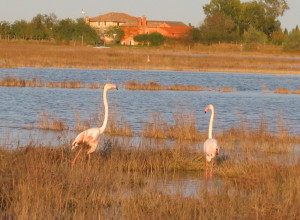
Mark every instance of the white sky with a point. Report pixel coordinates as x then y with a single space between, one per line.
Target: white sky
187 11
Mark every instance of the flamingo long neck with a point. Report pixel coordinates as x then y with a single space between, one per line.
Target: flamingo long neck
211 122
102 128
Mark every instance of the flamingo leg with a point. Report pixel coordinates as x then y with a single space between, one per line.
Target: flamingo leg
211 168
89 159
75 158
206 169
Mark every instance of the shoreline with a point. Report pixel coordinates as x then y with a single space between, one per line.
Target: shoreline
214 59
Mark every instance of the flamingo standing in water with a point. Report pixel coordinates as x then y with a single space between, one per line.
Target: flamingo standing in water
90 136
210 147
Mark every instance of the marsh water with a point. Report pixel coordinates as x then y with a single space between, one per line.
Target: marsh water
253 99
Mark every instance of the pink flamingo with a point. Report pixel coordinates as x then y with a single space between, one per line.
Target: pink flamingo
210 147
90 136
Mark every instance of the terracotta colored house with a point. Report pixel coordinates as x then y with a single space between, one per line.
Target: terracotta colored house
133 26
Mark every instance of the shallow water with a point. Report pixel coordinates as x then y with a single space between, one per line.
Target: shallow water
21 107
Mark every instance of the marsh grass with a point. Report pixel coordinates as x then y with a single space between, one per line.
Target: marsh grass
50 122
153 85
213 58
128 183
33 82
184 127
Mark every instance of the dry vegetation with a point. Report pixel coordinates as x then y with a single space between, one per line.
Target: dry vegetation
132 183
33 82
220 58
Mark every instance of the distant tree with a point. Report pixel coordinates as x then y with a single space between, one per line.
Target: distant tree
85 32
231 8
253 37
38 28
217 27
293 40
115 33
64 30
5 29
156 39
278 37
21 29
141 39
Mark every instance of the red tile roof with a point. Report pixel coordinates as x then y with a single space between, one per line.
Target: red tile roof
114 17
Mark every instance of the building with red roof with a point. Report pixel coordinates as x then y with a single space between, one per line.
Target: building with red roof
133 26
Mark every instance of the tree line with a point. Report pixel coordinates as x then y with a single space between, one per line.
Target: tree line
227 21
250 22
48 27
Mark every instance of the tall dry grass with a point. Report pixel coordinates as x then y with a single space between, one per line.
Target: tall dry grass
220 57
153 85
33 82
131 183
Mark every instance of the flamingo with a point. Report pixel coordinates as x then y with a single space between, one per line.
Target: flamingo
90 136
210 147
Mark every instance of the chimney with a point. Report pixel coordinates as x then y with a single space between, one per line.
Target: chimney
144 23
87 19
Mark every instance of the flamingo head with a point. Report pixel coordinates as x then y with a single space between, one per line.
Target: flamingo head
110 86
208 157
209 107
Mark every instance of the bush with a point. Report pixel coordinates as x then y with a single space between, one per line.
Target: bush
253 37
293 41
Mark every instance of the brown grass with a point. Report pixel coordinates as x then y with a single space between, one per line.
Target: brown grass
184 127
33 82
50 122
218 58
153 85
132 183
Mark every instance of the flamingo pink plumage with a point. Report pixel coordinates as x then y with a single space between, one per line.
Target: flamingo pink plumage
90 136
210 147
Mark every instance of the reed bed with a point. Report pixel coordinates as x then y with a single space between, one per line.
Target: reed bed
287 91
130 183
33 82
50 122
153 85
184 127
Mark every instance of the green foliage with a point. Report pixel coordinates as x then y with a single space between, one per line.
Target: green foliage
154 39
253 37
262 15
21 29
293 40
141 39
65 30
218 28
5 29
278 37
46 27
115 33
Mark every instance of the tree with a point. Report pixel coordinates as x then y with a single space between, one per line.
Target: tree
5 29
21 29
253 37
38 28
115 33
217 27
293 40
64 30
156 39
142 39
231 8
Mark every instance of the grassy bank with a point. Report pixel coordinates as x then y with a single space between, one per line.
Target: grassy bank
132 183
220 58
